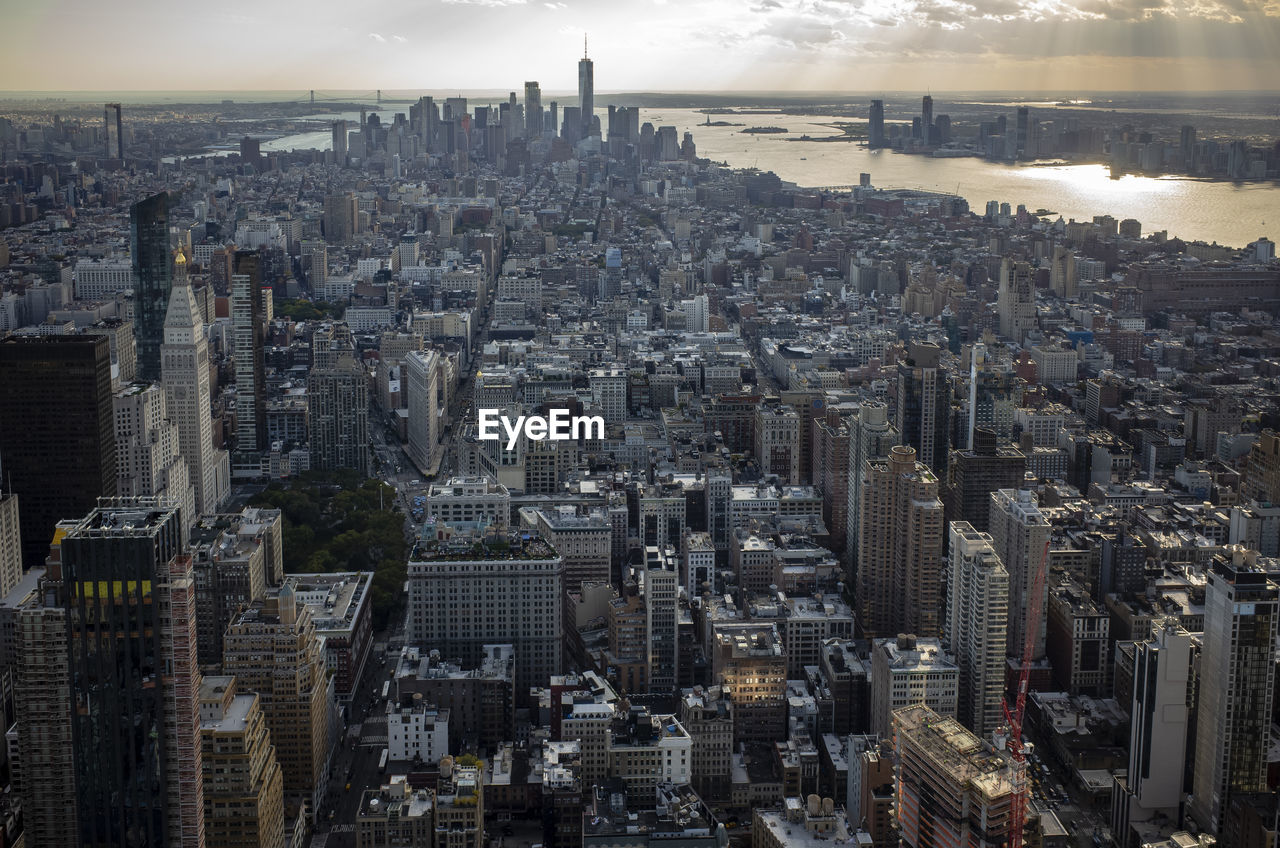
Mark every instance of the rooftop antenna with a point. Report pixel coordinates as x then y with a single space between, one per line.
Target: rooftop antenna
584 45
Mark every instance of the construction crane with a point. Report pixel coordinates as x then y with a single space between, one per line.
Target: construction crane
1018 812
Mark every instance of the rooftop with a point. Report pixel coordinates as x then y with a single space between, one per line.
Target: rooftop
954 751
917 654
334 599
474 548
236 717
396 799
794 827
498 663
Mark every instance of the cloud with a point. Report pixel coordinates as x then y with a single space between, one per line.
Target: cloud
803 32
400 38
949 15
1125 10
556 6
487 3
377 38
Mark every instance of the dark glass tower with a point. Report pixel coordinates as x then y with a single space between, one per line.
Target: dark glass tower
114 131
1023 130
875 130
924 405
57 431
149 242
129 597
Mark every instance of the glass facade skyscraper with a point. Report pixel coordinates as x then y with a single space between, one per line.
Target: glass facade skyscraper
586 92
875 132
129 594
149 246
57 431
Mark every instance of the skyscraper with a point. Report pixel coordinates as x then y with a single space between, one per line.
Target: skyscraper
1187 147
977 617
1237 685
972 475
586 92
926 119
875 124
149 246
57 431
341 216
953 788
1064 278
251 151
899 576
340 143
114 131
571 124
273 649
247 346
532 109
1024 131
338 399
184 374
1163 692
10 542
1018 533
421 382
924 404
870 438
907 670
995 392
42 699
1016 300
129 598
147 457
496 580
243 787
661 589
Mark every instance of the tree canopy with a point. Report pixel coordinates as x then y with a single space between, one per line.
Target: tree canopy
332 522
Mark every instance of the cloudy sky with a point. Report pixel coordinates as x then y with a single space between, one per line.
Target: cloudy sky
643 45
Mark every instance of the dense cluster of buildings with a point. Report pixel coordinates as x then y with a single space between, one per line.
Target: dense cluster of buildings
867 461
1074 134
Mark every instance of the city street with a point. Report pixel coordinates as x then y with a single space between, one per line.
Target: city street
355 766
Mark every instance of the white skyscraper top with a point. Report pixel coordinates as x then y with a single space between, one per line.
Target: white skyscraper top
184 373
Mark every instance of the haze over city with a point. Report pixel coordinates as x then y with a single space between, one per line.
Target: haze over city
642 424
704 45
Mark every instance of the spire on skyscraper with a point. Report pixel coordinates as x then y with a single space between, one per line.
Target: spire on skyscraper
182 318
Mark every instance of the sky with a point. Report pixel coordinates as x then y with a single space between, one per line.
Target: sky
643 45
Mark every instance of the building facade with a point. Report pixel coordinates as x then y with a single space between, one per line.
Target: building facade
899 576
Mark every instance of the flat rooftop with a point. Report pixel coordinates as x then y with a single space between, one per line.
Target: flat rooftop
236 717
795 834
334 599
954 750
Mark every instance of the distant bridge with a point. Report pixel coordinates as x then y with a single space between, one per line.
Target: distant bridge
314 97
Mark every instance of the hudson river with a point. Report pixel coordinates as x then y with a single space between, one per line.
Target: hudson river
1228 213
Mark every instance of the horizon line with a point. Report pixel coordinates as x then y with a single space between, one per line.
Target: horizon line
674 91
